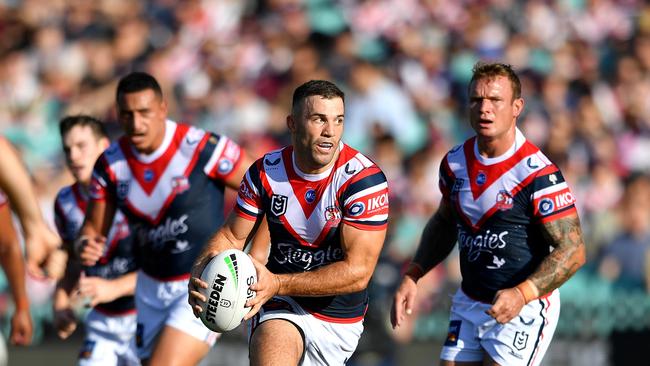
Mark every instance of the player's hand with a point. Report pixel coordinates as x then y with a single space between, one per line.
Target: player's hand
40 241
55 264
195 298
267 286
506 305
90 249
97 290
21 328
403 301
65 322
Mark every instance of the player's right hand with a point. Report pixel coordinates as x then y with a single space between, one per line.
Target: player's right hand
40 242
404 301
65 322
195 298
21 328
90 249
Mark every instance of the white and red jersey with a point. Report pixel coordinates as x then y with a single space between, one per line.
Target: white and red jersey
498 204
305 213
173 197
118 258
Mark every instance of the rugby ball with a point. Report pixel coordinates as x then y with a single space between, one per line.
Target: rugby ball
228 275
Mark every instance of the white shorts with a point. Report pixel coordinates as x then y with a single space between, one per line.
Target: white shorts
109 340
163 304
522 341
325 343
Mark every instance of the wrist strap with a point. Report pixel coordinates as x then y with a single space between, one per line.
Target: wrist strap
528 290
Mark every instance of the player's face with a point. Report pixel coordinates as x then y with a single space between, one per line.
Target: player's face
82 148
142 115
493 112
317 132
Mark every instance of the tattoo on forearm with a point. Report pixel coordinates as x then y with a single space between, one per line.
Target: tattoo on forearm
569 254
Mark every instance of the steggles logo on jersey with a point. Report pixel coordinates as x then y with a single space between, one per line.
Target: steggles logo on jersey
477 244
180 184
278 204
122 189
307 259
161 234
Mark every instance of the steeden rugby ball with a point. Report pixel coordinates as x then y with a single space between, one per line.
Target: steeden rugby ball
228 275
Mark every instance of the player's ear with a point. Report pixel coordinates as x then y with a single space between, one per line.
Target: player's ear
104 143
291 123
518 106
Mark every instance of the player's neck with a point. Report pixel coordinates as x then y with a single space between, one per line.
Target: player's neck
493 147
84 187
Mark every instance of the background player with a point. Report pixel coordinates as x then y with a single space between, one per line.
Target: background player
327 209
169 179
108 286
506 204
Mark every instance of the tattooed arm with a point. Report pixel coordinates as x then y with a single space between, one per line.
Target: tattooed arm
565 235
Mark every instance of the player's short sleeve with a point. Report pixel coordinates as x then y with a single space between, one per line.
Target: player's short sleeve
365 200
445 179
551 196
101 181
249 196
225 157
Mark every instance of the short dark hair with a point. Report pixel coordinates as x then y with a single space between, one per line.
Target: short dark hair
137 81
324 88
489 70
68 123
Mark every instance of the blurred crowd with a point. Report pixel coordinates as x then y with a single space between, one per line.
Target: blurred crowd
230 66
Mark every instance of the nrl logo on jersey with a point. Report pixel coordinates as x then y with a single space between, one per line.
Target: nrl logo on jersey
122 189
278 204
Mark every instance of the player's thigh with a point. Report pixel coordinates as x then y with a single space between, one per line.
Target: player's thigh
276 342
177 348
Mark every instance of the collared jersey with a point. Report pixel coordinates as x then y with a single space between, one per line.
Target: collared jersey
305 213
117 260
498 205
173 198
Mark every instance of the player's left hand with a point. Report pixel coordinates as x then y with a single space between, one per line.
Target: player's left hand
506 305
21 328
196 299
98 290
267 286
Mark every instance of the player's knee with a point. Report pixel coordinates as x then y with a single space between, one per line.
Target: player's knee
276 342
